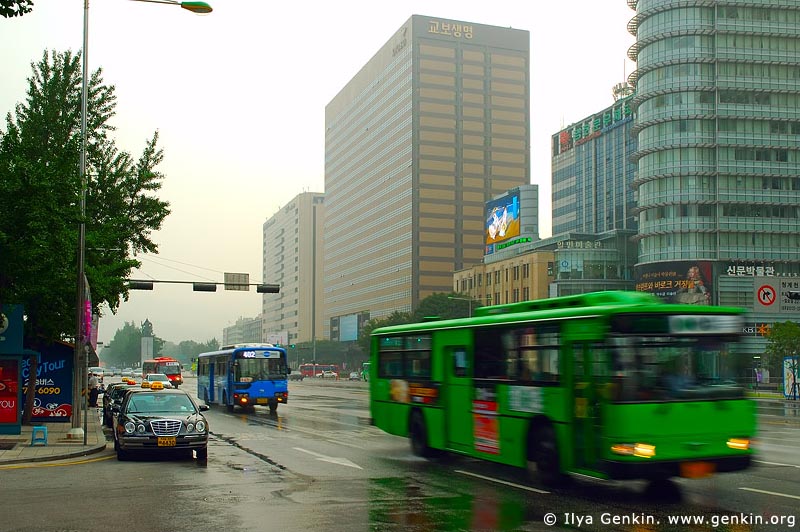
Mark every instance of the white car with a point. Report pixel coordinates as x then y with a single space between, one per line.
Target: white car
97 372
160 377
328 374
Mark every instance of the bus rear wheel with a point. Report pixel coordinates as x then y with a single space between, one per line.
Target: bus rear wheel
543 458
273 406
418 434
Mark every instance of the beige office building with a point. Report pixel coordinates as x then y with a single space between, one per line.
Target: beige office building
432 127
292 258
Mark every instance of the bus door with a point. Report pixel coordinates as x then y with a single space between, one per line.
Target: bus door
588 379
457 396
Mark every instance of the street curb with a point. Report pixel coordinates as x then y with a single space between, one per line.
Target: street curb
94 449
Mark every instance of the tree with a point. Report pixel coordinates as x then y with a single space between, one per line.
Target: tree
395 318
441 305
186 350
438 304
783 341
40 190
125 348
15 8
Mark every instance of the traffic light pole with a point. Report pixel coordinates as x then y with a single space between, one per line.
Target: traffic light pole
261 288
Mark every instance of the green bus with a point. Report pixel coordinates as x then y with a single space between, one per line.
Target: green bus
613 385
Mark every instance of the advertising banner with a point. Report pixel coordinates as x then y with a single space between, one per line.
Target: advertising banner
686 282
9 391
791 377
52 400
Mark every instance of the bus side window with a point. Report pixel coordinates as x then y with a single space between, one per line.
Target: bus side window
460 363
490 355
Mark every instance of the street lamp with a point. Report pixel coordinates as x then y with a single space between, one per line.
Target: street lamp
79 370
201 8
463 299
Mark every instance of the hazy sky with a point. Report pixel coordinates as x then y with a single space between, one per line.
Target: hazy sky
239 97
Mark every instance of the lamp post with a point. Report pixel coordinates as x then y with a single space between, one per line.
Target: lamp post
79 380
463 299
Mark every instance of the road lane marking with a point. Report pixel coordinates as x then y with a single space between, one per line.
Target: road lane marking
331 459
772 493
504 482
776 464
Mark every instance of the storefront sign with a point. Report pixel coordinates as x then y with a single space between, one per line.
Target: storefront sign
9 391
749 270
579 244
11 329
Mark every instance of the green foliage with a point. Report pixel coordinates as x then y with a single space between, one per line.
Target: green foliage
445 306
125 349
783 341
40 189
442 305
395 318
15 8
186 350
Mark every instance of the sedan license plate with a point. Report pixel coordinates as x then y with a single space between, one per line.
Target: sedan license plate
261 401
166 441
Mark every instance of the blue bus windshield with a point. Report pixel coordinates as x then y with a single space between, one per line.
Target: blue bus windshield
259 369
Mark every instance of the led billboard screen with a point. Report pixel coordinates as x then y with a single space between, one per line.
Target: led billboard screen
502 220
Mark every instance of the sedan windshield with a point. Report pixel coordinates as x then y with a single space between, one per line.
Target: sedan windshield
159 403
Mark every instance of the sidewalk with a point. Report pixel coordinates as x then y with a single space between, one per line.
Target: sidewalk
16 448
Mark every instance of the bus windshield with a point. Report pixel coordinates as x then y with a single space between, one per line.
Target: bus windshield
259 369
664 368
170 369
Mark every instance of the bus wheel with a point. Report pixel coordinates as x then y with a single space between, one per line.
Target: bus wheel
229 407
273 407
418 434
543 456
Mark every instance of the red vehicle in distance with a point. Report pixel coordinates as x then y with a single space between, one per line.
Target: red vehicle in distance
169 366
313 370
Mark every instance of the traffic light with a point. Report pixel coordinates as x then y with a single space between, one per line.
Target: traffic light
268 288
795 295
291 345
140 285
204 287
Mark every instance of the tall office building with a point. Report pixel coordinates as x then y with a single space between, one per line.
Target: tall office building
594 208
592 172
716 105
292 258
432 127
245 330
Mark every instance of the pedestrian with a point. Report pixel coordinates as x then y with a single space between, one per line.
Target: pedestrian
93 390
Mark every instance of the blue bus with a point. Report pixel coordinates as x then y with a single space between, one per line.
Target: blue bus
243 374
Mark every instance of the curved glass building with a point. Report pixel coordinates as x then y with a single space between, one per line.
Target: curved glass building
717 116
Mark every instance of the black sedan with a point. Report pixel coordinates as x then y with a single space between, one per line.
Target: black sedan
113 396
160 420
